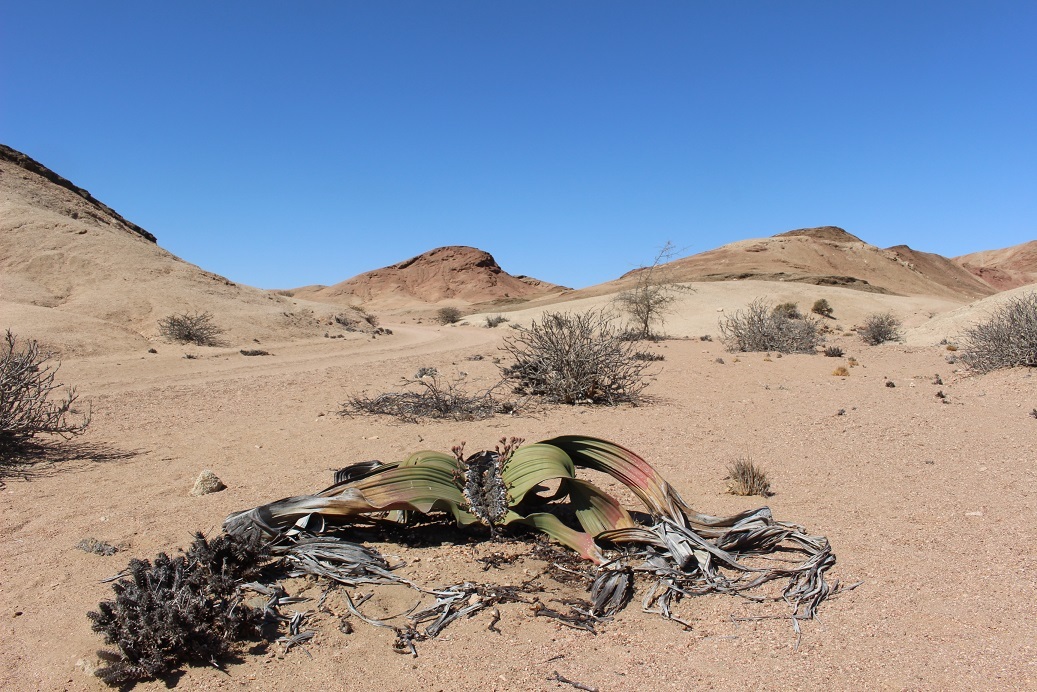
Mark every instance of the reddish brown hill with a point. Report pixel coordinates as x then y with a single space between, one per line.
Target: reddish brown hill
1006 268
829 256
453 274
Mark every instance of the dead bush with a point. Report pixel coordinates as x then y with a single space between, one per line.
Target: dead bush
26 387
572 358
1007 340
448 315
833 352
746 478
431 397
757 329
194 328
881 327
494 320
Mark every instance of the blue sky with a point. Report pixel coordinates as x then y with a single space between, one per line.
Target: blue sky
283 144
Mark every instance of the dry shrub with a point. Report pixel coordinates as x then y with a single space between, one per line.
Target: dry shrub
26 385
841 372
881 327
833 352
494 320
746 478
1007 340
572 358
757 329
822 307
448 315
196 328
790 310
431 397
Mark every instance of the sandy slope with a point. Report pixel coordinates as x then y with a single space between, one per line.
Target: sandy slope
927 502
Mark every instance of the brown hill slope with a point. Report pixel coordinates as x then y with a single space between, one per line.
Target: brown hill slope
1006 268
80 278
829 256
455 274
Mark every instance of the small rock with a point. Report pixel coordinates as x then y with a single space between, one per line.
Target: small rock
208 482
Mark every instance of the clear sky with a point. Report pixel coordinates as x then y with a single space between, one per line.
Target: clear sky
288 143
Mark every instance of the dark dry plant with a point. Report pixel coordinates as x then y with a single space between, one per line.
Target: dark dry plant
27 386
745 477
177 610
575 358
1007 339
833 352
191 328
881 327
757 329
432 397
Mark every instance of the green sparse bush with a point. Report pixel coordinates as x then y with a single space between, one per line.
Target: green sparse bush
196 328
1008 339
881 327
759 329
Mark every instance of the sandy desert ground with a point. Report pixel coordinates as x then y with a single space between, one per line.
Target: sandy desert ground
927 501
925 488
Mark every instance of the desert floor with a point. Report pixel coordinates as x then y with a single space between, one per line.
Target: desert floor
928 501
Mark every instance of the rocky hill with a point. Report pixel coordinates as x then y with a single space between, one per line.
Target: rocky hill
1006 268
453 275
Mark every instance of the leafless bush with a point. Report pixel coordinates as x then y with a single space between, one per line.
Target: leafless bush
494 320
648 356
572 358
881 327
197 328
649 301
746 478
757 329
448 315
431 397
26 384
1006 340
833 352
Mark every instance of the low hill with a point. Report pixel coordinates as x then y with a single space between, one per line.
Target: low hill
80 278
452 275
830 256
